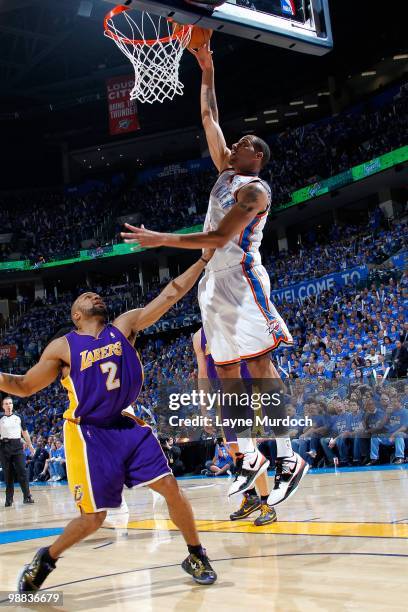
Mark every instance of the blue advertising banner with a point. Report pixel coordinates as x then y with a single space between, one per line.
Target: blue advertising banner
300 291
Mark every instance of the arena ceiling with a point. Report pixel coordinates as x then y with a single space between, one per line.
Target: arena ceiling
51 56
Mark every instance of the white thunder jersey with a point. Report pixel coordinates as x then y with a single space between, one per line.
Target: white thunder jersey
239 320
243 248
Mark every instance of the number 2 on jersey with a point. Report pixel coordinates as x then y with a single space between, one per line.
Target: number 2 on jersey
110 368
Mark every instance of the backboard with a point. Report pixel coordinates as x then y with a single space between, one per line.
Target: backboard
299 25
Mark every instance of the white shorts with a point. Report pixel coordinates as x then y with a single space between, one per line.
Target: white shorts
238 317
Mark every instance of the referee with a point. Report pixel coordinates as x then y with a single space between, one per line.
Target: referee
12 457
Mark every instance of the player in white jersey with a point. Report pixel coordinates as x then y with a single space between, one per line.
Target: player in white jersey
239 320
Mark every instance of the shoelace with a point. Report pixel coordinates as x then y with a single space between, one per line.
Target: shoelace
202 562
264 510
282 467
38 570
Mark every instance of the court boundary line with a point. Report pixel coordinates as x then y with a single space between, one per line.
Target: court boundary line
326 470
273 533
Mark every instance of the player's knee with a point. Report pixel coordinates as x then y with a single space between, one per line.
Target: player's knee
261 367
168 487
229 371
93 521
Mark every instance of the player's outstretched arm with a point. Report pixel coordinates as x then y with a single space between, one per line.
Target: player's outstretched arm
209 111
252 200
133 321
39 376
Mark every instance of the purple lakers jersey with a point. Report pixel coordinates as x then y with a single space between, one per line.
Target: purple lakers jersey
211 369
105 377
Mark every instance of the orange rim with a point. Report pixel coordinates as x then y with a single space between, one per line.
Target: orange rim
128 41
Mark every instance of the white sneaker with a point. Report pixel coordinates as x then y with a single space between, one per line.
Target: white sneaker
248 467
289 473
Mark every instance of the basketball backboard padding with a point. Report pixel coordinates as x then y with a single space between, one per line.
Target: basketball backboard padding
312 37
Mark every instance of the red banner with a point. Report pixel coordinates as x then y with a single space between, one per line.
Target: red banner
8 351
123 116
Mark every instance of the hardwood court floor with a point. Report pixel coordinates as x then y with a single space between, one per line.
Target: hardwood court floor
340 544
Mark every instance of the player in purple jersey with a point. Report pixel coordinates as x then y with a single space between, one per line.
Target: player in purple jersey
102 372
251 502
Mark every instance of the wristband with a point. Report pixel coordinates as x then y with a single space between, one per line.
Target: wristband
204 260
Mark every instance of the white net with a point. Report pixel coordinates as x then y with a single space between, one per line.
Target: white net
154 50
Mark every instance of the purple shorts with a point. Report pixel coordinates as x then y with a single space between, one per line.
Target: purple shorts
100 461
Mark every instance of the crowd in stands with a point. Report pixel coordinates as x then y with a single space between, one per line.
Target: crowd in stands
349 425
341 247
48 461
305 155
45 317
170 202
47 225
52 225
347 333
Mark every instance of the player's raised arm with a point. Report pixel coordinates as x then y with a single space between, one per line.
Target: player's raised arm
252 199
39 376
209 111
135 320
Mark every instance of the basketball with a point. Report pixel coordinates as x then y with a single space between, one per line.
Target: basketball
199 36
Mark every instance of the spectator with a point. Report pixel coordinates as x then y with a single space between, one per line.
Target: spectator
357 432
56 462
37 465
339 430
173 454
399 359
307 444
222 462
395 426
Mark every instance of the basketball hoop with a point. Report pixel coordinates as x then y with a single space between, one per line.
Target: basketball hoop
153 48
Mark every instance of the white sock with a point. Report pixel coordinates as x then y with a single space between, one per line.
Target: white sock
246 445
283 447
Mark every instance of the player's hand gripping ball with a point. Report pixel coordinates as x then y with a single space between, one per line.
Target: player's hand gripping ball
199 36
